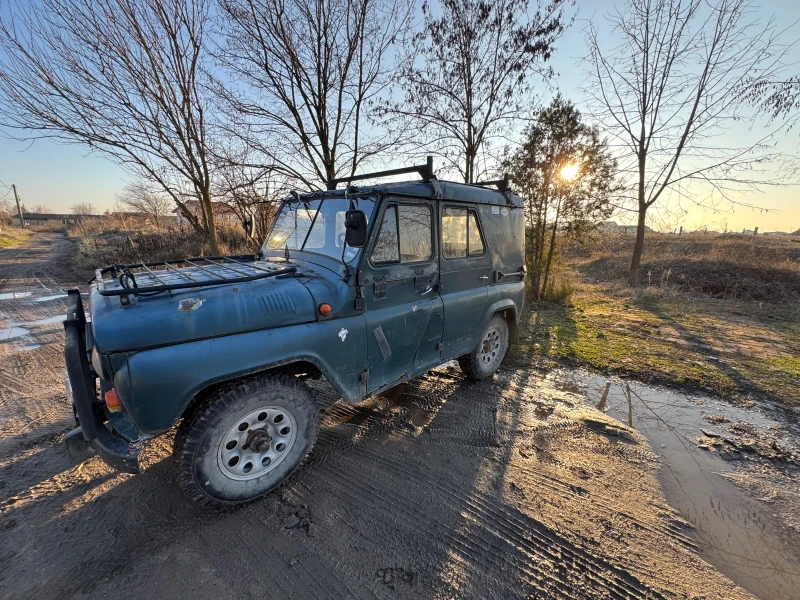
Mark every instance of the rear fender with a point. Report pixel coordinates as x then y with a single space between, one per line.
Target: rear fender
508 300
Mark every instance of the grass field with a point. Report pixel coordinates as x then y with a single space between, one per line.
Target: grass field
11 237
726 319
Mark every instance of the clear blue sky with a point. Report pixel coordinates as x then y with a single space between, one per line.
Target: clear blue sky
58 175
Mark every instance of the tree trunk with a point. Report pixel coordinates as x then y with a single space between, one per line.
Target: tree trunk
636 259
211 223
546 271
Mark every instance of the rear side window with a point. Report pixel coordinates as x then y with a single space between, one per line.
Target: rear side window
461 233
405 235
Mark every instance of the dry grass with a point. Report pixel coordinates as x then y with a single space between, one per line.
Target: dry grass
104 242
734 267
11 237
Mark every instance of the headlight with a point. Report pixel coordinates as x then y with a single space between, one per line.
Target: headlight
97 363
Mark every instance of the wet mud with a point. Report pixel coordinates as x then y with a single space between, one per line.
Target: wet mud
700 440
443 488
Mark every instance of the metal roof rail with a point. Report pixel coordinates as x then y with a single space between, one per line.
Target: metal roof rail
502 184
425 171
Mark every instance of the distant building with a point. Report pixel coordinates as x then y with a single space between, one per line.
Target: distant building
30 218
614 227
223 213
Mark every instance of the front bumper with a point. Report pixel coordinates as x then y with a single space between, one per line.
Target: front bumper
117 452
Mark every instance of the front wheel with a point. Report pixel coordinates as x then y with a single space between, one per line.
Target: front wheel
245 440
486 357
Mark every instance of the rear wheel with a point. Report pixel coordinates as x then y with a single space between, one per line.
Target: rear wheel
486 357
245 440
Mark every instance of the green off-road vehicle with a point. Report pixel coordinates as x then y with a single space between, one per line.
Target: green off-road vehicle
366 287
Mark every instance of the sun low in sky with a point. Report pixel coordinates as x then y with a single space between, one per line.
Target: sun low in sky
570 171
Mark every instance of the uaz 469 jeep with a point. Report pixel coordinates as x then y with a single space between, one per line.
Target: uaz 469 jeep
366 287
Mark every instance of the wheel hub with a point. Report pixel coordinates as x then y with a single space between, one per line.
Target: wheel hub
490 347
257 442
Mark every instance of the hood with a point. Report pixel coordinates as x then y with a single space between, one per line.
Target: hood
206 312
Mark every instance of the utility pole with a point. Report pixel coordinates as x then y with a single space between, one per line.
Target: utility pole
19 208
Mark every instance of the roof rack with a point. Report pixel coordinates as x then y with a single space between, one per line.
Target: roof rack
140 279
425 171
502 184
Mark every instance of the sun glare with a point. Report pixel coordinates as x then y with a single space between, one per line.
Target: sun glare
570 171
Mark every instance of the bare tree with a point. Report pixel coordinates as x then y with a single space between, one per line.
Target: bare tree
778 98
254 193
120 76
82 208
469 73
308 73
666 86
41 209
139 197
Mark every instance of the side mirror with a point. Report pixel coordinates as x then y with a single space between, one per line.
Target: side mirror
355 222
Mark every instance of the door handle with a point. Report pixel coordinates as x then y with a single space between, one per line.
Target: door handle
428 290
483 277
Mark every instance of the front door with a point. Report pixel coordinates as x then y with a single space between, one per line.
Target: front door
398 280
465 271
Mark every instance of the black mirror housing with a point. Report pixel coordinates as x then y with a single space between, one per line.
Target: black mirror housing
355 222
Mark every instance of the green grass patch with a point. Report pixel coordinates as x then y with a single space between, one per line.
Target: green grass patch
788 364
11 237
659 341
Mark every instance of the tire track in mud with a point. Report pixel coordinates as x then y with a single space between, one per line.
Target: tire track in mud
377 423
503 531
509 525
31 389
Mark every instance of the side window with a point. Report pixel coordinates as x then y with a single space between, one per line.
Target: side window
475 241
386 248
461 234
415 233
454 232
410 241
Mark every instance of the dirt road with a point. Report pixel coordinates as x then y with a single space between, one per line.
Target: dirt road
505 489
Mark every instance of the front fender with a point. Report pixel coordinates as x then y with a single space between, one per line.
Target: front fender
159 383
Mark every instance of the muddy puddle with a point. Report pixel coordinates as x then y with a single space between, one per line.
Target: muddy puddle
12 333
736 533
49 298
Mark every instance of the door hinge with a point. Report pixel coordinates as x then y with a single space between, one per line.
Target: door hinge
360 304
379 290
363 380
440 346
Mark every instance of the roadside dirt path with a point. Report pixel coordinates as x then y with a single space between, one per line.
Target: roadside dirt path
505 489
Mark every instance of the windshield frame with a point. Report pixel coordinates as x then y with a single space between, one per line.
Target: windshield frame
373 199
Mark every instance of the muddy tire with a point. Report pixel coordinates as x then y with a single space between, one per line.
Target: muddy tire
245 440
485 359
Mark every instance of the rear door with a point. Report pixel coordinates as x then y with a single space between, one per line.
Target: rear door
465 271
399 279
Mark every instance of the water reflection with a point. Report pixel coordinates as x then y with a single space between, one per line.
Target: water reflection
735 533
10 333
14 295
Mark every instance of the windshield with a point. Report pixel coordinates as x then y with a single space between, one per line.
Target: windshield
316 226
